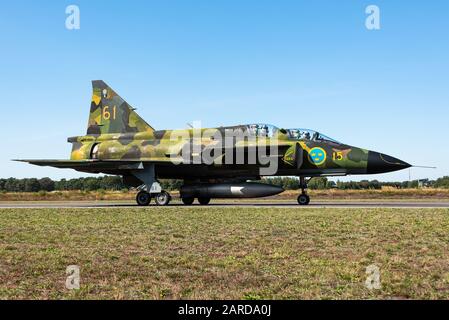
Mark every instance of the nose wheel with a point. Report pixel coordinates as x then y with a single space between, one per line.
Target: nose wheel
303 198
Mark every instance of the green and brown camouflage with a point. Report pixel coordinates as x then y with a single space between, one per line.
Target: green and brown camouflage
119 141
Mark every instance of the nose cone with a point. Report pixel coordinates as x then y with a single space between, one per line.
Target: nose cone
381 163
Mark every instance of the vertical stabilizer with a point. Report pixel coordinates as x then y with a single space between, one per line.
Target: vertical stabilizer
109 113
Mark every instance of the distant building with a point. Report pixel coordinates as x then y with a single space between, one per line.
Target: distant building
424 183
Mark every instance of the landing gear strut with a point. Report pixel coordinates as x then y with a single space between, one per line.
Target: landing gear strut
303 198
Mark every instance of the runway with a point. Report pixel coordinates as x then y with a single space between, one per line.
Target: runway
236 204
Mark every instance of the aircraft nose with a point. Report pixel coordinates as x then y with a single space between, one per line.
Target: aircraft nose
381 163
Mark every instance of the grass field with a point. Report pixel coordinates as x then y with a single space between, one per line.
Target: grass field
229 253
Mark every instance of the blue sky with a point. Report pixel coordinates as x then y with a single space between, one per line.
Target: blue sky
295 63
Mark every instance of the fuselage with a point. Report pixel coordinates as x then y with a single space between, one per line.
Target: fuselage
320 155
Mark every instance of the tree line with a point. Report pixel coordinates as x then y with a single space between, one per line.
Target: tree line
288 183
113 183
322 183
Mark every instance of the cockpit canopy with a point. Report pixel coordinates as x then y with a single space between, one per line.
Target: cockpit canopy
262 130
307 134
268 131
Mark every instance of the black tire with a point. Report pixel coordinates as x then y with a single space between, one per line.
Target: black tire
204 201
188 201
303 200
143 198
162 199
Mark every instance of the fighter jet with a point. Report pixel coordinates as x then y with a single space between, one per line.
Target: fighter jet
212 165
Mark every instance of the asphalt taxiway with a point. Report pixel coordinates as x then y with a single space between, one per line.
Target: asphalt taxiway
218 203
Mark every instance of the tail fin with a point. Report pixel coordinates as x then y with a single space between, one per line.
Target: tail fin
109 113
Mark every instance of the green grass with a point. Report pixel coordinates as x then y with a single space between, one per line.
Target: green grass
226 253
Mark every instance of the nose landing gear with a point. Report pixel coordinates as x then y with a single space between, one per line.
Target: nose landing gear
303 198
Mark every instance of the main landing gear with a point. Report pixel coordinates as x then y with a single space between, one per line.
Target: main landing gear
204 201
143 198
188 201
303 198
151 189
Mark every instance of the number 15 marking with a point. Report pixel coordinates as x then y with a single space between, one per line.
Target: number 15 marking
337 156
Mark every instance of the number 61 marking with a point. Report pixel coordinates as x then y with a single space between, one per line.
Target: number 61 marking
106 114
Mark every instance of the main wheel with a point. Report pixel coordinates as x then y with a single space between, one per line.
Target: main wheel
188 201
204 201
163 198
303 199
143 198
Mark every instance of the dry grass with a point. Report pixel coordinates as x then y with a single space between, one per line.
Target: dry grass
67 196
334 194
229 253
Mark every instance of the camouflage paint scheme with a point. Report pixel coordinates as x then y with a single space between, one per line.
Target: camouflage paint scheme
119 141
